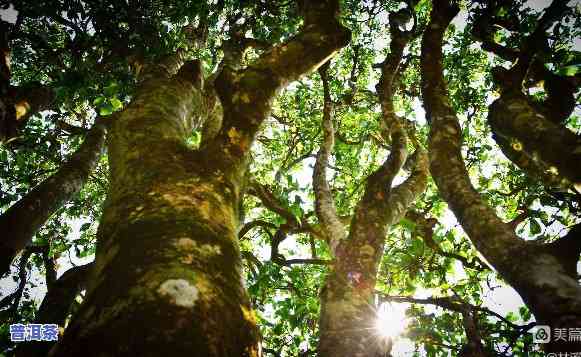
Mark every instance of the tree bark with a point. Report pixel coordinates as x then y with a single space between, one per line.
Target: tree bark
348 315
533 270
23 219
473 346
536 144
167 278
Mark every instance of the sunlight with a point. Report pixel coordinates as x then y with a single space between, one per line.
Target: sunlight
391 320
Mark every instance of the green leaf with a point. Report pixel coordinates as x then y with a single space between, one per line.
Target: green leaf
417 246
107 109
111 89
116 104
98 101
534 227
569 70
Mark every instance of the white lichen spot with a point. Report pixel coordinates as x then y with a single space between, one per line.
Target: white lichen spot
553 171
189 245
186 244
179 292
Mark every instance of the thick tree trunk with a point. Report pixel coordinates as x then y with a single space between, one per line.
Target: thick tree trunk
167 277
348 315
535 271
23 219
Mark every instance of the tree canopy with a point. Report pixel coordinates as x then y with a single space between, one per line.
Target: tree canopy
350 160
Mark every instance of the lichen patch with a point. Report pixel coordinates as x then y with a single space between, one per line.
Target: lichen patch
186 244
179 292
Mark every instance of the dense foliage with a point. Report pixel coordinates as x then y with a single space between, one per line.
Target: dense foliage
87 57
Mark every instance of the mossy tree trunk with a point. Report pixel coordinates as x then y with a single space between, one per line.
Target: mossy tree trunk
348 312
167 278
541 274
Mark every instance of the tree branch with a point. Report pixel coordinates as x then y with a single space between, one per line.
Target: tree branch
425 229
56 306
446 163
246 95
493 238
21 221
454 304
331 226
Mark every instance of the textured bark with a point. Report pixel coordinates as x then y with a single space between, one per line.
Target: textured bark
473 346
23 219
536 273
347 319
167 278
246 95
55 307
531 133
7 110
331 226
536 144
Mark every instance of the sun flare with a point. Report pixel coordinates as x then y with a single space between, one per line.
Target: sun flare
391 320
